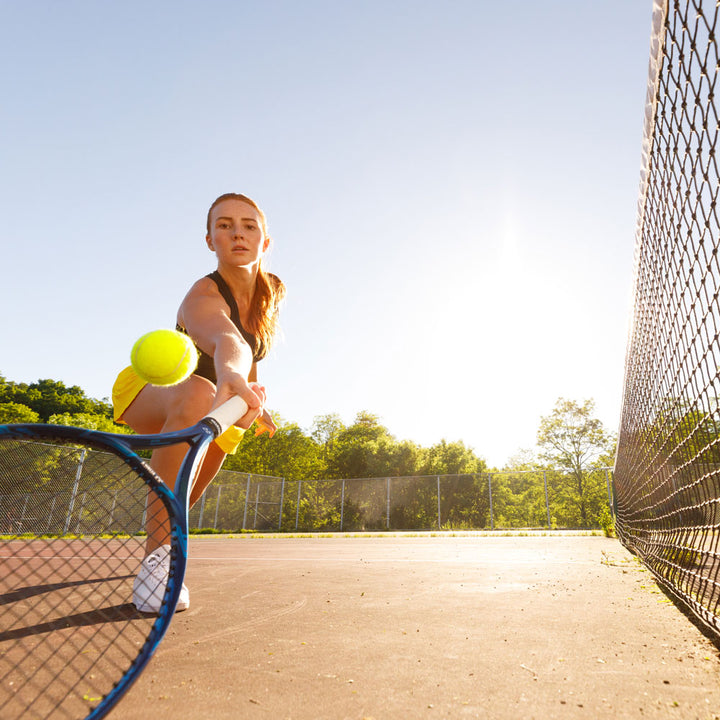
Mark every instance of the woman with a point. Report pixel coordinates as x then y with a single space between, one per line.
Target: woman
231 316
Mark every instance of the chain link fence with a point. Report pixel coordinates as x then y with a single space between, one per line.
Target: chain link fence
490 501
237 502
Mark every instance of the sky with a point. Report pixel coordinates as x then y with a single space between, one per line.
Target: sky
451 191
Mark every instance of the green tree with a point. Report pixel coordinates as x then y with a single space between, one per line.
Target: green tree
451 458
464 500
574 441
325 430
51 397
12 412
90 421
290 453
361 450
518 492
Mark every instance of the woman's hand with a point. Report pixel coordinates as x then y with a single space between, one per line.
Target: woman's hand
231 384
265 424
264 420
254 396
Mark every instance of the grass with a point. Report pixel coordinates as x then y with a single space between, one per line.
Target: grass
408 534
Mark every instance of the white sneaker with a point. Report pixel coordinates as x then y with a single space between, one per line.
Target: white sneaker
149 585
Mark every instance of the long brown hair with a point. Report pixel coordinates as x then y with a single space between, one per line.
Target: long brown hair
269 289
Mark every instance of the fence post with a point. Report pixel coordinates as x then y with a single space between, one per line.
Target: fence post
247 492
342 505
217 506
202 510
112 509
387 505
492 520
257 502
282 500
52 507
76 485
438 498
22 514
80 512
297 507
547 502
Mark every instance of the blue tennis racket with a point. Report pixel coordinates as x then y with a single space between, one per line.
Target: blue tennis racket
73 506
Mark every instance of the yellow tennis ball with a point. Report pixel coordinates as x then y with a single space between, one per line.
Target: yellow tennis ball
164 357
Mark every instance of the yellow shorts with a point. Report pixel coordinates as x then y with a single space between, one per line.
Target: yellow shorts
128 386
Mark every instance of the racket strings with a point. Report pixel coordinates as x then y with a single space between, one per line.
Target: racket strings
69 552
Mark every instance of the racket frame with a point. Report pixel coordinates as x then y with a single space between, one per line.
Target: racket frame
176 502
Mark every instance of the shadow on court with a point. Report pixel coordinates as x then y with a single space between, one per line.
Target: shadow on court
425 627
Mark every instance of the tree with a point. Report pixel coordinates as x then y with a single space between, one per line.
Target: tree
361 450
518 492
52 397
451 458
11 412
325 430
289 453
572 440
89 421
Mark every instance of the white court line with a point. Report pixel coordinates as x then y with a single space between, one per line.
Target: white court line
444 561
70 557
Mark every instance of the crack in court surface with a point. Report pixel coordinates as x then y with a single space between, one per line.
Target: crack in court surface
296 606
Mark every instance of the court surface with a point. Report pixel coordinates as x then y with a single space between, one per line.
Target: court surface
307 628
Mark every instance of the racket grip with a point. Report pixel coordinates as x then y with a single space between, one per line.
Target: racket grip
228 413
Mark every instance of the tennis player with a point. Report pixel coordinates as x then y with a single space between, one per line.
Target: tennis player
231 316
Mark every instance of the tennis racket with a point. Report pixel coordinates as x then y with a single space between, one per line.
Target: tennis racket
72 503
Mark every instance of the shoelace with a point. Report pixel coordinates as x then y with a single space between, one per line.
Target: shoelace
154 563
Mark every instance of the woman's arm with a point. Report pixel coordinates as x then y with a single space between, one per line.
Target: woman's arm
204 315
265 421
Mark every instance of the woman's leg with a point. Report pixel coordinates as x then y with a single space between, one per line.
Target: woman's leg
208 470
165 409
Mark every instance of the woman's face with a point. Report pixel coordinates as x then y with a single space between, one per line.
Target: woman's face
236 233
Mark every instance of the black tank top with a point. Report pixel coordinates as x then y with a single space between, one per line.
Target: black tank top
206 366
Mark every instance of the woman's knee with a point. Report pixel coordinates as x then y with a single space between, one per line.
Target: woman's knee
157 409
190 402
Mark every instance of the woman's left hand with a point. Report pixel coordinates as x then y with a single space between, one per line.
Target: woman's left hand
265 424
264 421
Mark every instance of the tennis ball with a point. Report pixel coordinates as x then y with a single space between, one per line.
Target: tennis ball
164 357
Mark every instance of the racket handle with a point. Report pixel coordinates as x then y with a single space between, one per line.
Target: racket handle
228 413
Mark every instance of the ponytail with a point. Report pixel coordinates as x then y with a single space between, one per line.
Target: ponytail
263 320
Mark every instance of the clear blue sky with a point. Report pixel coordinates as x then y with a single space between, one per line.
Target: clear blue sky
451 190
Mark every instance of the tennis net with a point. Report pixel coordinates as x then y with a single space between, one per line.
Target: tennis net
667 472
